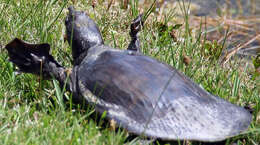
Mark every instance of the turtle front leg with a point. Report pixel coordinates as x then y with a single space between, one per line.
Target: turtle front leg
35 59
136 26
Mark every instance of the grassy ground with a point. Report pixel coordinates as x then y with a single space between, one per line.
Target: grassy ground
31 111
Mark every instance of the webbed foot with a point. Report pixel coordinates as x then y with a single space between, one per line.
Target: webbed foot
29 58
136 26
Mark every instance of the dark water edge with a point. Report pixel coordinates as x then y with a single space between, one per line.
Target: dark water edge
235 7
245 14
244 11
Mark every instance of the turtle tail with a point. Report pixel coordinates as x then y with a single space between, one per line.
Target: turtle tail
32 58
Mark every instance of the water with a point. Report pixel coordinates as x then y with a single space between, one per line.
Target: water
240 17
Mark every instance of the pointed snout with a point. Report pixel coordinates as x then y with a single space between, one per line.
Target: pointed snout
70 15
71 10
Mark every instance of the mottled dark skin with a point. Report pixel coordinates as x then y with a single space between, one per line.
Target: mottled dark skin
81 41
142 94
135 27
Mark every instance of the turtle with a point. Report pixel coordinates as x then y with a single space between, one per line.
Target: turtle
141 94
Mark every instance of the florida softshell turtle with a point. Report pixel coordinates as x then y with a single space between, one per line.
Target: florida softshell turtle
140 93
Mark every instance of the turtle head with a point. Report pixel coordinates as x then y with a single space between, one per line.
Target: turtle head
82 33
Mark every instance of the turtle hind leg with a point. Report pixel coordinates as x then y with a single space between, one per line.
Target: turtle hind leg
136 26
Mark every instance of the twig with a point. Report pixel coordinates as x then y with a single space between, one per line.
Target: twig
110 4
236 49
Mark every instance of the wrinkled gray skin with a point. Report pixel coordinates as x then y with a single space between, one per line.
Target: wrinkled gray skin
142 94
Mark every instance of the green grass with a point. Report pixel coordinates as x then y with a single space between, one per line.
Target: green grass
32 111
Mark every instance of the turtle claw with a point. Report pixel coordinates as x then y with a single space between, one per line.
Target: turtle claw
37 58
17 72
136 25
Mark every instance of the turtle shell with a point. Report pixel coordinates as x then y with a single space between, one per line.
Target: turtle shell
148 97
